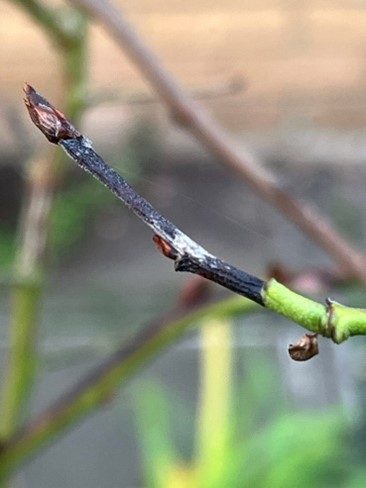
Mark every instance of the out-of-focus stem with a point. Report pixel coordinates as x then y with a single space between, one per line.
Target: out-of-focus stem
42 178
46 19
215 402
74 58
21 362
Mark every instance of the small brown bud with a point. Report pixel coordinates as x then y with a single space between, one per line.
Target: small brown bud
164 247
305 348
50 121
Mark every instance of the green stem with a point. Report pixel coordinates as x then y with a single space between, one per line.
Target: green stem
74 58
330 320
29 272
22 363
93 392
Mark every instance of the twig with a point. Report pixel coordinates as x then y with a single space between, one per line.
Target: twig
97 388
196 119
187 254
332 320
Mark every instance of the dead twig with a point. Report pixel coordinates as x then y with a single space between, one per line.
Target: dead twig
172 242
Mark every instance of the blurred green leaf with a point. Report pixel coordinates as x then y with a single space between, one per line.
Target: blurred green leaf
7 248
153 421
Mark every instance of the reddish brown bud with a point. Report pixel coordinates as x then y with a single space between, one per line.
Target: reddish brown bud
165 247
50 121
306 348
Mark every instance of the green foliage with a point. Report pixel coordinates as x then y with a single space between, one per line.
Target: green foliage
154 419
302 449
287 450
7 248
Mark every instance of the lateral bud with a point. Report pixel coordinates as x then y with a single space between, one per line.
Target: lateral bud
305 348
164 247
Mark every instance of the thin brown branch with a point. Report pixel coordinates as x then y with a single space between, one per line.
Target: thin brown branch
196 119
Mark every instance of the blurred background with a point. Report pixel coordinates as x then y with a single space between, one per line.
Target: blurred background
287 80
